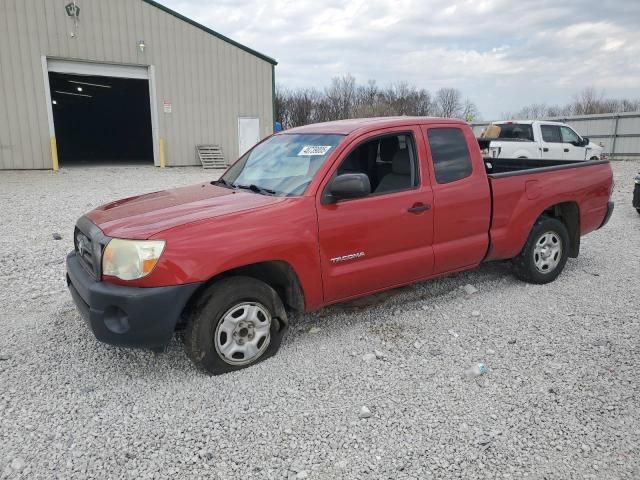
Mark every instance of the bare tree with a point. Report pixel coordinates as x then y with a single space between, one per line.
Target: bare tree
281 105
422 103
588 101
559 111
344 98
627 105
448 102
470 111
340 96
367 98
304 104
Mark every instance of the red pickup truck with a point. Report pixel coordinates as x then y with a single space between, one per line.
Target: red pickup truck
317 215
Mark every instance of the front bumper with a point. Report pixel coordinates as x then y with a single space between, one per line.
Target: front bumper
128 316
636 196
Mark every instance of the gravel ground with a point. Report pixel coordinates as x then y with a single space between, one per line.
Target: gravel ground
558 400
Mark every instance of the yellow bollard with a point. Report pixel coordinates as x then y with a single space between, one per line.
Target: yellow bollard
54 153
162 158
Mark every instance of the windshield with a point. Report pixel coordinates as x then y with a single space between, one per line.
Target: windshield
509 131
283 164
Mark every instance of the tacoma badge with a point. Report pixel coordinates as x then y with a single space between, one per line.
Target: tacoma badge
344 258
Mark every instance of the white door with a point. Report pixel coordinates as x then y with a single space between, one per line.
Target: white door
551 142
573 146
248 134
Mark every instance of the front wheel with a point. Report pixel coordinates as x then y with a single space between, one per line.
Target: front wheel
545 253
237 322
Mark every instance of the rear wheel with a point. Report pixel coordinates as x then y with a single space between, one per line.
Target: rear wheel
545 253
237 322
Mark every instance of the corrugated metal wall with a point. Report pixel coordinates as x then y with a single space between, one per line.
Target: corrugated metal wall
209 82
618 132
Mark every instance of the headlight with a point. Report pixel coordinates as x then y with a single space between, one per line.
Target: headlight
131 259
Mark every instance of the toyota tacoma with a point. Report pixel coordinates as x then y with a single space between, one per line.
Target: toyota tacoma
317 215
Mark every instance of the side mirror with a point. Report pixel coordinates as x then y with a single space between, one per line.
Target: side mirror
350 185
585 141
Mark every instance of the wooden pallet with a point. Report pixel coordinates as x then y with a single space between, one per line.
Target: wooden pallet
211 156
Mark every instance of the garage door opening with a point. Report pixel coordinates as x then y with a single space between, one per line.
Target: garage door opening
101 120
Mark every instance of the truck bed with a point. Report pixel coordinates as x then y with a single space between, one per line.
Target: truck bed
507 167
523 189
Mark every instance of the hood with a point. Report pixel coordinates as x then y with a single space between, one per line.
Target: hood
146 215
594 146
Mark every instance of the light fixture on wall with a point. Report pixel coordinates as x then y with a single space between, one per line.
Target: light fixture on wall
73 11
142 46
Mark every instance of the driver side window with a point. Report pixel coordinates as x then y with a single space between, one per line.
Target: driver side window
389 161
569 136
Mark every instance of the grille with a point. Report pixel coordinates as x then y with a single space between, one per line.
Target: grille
89 242
84 249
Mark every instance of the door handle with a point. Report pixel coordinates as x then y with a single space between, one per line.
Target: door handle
545 149
419 208
566 150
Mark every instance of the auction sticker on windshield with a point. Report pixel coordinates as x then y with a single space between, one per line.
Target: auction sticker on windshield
312 150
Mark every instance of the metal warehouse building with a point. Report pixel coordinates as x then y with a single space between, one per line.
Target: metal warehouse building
95 81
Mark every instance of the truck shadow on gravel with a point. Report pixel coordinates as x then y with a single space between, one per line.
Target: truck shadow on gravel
373 312
404 298
428 290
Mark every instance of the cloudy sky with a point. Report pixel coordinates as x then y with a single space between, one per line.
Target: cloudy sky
503 54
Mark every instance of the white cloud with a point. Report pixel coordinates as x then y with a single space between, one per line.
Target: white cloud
500 53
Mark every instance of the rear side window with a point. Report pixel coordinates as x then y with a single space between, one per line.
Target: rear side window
451 160
551 133
509 131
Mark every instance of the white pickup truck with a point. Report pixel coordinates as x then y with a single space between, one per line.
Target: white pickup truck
536 139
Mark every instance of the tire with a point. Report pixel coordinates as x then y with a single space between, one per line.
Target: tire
540 262
237 322
638 210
